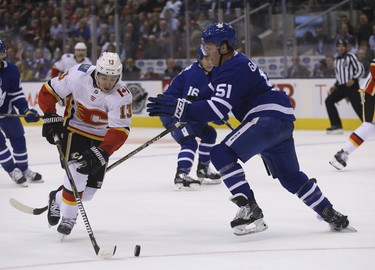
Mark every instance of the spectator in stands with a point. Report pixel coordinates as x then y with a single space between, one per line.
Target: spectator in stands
345 19
345 35
296 70
41 65
103 34
371 41
323 42
129 45
153 49
364 58
330 70
56 31
172 5
82 31
130 71
172 68
362 31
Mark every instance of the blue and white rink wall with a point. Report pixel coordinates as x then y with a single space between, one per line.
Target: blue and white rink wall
307 97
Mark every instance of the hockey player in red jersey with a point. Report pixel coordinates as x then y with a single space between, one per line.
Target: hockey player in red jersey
366 129
68 60
96 123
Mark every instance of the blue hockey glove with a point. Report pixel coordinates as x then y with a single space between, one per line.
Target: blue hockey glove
165 105
92 160
52 125
31 115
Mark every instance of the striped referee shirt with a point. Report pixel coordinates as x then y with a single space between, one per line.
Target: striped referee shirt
347 67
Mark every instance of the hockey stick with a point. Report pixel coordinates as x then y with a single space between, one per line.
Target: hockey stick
12 115
104 254
37 211
143 146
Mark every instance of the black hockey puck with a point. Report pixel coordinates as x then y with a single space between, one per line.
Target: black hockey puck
137 250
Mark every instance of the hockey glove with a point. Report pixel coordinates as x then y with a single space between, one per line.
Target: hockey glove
52 125
165 105
31 115
92 160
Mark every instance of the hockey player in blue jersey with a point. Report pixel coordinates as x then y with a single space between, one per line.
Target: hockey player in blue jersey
191 83
11 97
266 127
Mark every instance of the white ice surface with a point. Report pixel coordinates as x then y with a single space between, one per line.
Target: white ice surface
190 230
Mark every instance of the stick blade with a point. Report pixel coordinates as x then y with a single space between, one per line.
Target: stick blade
26 209
106 253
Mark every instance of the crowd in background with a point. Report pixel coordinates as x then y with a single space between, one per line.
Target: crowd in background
36 38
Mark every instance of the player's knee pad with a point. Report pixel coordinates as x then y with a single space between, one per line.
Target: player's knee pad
189 143
293 183
18 144
79 179
209 135
221 156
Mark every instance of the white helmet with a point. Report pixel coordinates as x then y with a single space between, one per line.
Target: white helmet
80 46
109 64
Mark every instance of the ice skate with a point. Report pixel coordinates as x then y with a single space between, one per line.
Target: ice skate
184 181
33 177
18 177
334 130
249 218
53 214
337 221
206 176
339 160
66 225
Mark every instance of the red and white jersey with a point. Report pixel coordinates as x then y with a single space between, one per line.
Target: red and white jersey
66 62
89 111
370 80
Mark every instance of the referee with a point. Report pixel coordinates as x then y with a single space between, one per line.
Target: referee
348 70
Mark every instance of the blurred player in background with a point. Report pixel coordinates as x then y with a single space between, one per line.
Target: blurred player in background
191 84
69 60
12 100
366 129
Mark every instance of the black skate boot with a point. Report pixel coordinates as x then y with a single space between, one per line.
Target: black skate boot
337 221
249 213
339 160
32 176
53 214
66 225
206 176
183 181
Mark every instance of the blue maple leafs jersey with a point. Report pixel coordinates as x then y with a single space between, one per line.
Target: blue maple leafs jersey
11 91
241 87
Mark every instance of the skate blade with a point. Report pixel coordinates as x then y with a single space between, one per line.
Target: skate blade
36 181
180 187
256 227
336 165
205 181
348 229
24 184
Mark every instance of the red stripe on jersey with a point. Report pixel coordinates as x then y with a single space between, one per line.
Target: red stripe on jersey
68 197
370 87
355 139
114 139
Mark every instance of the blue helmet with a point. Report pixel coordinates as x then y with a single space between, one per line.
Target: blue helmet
2 46
218 33
200 53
